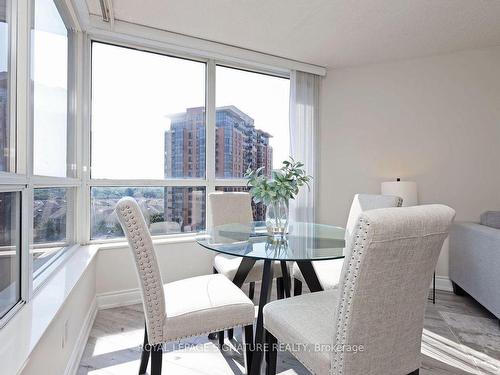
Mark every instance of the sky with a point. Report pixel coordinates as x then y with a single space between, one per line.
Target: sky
133 93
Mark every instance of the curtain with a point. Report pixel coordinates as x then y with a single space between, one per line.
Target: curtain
304 118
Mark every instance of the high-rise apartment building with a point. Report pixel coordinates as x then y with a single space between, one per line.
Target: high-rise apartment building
238 146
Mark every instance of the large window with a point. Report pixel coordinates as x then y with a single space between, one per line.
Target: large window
148 115
39 178
252 128
151 135
53 134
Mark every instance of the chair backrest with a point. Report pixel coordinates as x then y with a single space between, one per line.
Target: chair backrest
365 202
148 272
230 208
383 293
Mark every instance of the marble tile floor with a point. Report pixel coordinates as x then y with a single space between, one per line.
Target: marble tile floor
460 337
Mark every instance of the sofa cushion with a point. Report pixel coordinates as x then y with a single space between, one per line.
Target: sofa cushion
491 219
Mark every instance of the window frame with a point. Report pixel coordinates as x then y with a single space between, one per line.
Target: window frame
210 182
16 179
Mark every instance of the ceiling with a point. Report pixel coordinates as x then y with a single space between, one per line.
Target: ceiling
330 33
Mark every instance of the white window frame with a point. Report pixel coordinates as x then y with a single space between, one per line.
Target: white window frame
21 177
16 180
210 182
72 183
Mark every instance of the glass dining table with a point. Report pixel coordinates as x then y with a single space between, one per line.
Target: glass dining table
304 243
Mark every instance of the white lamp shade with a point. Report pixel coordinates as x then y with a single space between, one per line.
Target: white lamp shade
403 189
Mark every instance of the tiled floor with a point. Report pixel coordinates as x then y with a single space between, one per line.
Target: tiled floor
460 337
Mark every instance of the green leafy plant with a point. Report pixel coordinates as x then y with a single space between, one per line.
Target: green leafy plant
283 185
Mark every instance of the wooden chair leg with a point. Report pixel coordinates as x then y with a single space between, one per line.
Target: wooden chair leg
220 336
297 287
156 359
272 356
251 290
248 345
146 350
280 288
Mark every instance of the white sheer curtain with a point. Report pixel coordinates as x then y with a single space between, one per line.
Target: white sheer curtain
304 118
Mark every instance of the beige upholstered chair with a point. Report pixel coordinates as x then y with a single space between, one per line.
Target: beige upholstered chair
371 324
328 271
183 308
235 208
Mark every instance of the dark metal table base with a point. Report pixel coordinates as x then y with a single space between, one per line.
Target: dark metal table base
244 269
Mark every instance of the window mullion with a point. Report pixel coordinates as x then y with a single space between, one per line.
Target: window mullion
210 123
210 138
86 106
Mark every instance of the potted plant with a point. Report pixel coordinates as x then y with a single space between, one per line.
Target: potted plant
276 192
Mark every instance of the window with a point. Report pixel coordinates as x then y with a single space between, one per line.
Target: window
258 210
10 254
252 127
53 134
50 223
7 135
49 39
167 210
144 105
149 136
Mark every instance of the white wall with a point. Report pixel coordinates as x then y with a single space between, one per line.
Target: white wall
433 120
178 260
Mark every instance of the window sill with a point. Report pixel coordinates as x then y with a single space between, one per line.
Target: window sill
122 243
43 275
24 330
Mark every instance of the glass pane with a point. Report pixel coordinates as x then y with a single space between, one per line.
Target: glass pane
6 162
50 206
10 254
259 210
252 127
50 90
167 210
148 115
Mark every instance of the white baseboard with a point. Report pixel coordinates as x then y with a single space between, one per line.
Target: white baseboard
81 341
443 283
116 299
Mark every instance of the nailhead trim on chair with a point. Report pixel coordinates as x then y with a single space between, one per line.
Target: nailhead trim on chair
147 266
211 331
344 312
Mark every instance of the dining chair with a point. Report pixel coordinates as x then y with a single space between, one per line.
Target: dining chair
371 324
184 308
236 208
328 271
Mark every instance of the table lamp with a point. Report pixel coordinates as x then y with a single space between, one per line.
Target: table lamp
403 189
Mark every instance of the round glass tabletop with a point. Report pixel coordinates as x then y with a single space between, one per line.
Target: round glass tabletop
304 241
